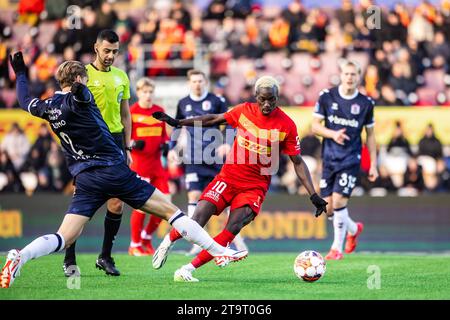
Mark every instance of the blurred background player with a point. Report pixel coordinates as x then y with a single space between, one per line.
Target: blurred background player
345 112
263 132
111 90
149 140
199 174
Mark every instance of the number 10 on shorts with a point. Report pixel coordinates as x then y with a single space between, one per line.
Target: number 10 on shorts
219 187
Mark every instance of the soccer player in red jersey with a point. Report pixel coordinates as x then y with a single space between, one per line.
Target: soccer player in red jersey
263 132
149 138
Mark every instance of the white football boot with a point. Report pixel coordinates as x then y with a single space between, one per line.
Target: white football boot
161 253
183 275
11 270
230 256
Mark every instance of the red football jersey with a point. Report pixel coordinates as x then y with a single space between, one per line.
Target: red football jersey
147 162
259 141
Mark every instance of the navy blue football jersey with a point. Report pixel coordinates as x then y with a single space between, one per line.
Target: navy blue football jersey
352 113
85 138
189 108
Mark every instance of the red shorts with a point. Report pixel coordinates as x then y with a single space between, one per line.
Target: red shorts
161 183
222 194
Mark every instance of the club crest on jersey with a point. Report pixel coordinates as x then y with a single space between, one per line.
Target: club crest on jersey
334 106
355 109
206 105
188 108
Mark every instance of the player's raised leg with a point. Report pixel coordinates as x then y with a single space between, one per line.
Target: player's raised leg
238 219
68 232
160 205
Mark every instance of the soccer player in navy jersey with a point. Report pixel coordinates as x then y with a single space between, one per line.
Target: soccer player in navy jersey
98 167
345 112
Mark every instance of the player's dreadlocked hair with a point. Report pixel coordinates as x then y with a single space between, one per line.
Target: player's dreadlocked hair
267 82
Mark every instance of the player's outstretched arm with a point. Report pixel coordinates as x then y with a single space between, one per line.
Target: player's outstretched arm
302 171
207 120
20 69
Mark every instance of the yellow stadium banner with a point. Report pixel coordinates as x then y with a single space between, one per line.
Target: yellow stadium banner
26 121
413 119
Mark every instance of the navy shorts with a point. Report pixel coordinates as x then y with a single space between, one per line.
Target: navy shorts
339 180
94 186
119 138
197 182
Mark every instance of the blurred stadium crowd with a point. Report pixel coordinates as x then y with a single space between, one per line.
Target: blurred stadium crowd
406 62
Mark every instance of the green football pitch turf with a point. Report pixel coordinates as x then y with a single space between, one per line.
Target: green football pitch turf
259 277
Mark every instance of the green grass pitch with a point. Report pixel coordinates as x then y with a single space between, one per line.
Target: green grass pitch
260 276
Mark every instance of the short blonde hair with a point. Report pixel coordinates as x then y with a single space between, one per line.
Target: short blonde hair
353 63
145 82
267 82
68 71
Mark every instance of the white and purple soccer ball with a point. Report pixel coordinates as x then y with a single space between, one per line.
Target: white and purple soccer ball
309 266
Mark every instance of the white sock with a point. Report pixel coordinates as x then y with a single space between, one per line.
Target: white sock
351 226
135 244
189 267
193 232
43 246
145 235
340 228
191 209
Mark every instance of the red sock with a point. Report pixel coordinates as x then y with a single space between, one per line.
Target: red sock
152 225
136 223
223 238
174 235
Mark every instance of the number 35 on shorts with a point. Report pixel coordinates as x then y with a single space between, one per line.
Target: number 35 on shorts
347 182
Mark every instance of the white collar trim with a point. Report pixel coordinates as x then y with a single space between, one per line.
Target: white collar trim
343 96
195 98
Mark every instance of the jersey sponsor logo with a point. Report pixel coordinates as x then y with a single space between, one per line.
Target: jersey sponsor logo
272 135
96 83
53 114
253 146
206 105
144 119
355 108
343 122
149 132
334 106
212 195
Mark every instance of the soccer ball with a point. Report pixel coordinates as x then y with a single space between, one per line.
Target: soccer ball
309 266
